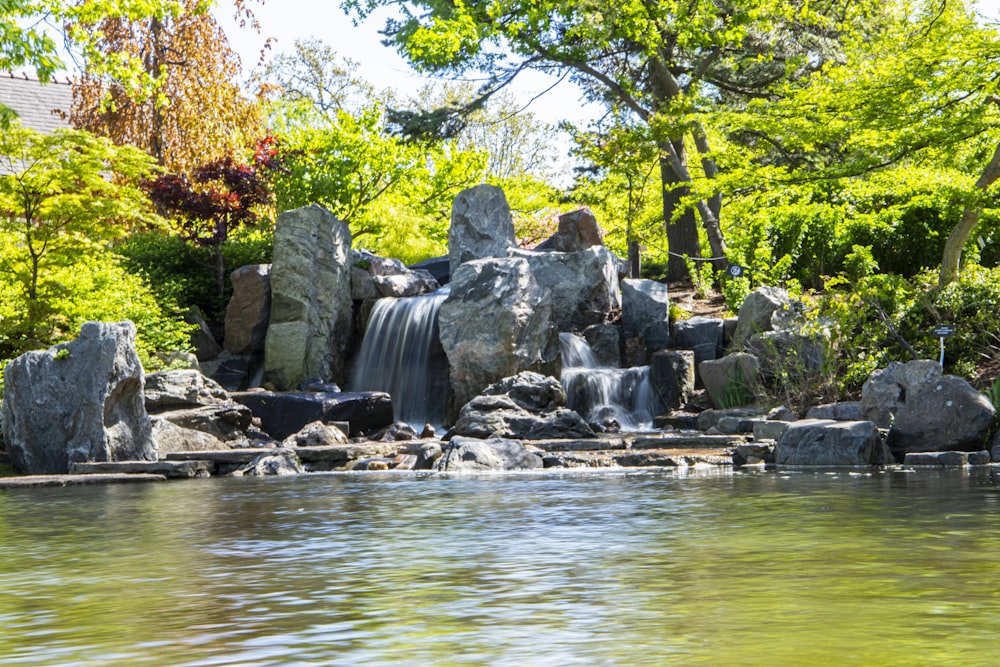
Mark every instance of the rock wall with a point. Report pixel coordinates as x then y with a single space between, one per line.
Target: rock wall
311 310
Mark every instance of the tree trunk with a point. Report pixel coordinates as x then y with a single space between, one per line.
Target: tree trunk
952 257
682 233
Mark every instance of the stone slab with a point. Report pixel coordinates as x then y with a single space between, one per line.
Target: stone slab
173 469
76 480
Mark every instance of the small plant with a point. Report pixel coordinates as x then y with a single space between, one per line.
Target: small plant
62 354
993 393
737 392
702 276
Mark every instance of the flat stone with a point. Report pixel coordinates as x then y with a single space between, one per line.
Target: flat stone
76 480
174 469
689 441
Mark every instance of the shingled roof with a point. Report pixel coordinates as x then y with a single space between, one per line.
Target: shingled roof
39 105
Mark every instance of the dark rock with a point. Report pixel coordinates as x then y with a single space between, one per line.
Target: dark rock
671 372
489 416
701 335
605 341
77 402
531 391
847 411
438 267
282 414
276 462
229 422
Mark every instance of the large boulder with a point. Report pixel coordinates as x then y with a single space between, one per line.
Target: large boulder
758 313
671 372
605 340
646 312
823 442
472 455
286 413
928 411
578 230
584 284
731 381
77 402
169 438
249 309
311 307
496 323
528 406
481 226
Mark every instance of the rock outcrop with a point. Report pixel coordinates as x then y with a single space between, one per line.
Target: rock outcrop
496 323
823 442
481 226
583 284
578 230
77 402
473 455
249 309
646 312
311 308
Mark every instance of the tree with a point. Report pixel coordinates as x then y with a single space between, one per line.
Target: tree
660 62
220 197
190 109
922 93
60 194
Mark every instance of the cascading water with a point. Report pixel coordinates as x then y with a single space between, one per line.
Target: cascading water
604 395
402 355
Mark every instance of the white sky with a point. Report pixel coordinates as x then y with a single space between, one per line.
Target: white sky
288 20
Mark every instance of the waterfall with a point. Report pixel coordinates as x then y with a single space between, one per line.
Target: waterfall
602 394
401 354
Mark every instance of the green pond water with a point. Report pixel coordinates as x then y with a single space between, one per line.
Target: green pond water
611 568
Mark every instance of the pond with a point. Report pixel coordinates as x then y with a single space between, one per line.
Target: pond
573 568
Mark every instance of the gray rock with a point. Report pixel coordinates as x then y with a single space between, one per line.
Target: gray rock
500 416
936 459
311 307
846 411
530 391
671 372
732 380
753 453
169 438
229 422
282 414
782 413
249 309
584 285
374 277
701 335
438 268
405 284
169 390
316 434
203 341
823 442
646 312
947 414
605 341
578 230
481 226
758 312
885 390
362 286
769 429
495 324
279 462
472 455
709 419
788 353
77 402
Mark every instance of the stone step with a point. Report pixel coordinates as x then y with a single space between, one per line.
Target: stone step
324 454
75 480
173 469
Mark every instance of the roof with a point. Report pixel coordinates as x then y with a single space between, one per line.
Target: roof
39 105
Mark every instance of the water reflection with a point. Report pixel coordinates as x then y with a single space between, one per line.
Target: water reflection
638 568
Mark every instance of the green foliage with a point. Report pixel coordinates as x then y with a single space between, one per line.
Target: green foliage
95 286
701 275
180 273
62 195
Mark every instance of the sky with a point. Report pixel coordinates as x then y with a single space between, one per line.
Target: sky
288 20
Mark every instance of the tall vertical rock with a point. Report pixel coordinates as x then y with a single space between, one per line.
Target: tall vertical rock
496 323
310 322
77 402
481 225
